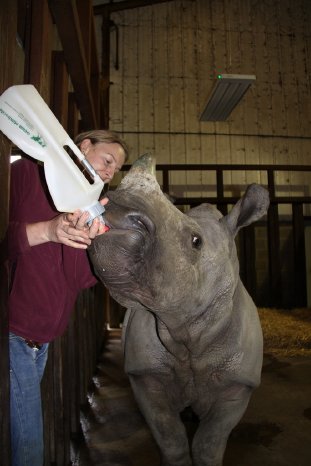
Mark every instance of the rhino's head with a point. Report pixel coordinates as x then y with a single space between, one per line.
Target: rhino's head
170 262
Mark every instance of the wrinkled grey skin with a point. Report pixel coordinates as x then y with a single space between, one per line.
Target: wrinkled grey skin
192 336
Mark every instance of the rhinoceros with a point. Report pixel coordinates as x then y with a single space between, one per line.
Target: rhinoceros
191 333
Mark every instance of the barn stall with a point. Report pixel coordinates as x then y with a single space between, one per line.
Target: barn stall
146 69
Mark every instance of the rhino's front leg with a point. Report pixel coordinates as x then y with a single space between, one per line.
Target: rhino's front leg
216 424
152 396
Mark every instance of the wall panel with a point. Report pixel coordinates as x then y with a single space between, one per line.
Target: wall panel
171 53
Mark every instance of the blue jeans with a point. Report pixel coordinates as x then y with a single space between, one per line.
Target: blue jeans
26 371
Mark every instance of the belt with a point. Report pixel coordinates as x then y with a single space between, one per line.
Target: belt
33 344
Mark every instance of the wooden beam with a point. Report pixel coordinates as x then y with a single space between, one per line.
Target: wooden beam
126 5
73 116
59 88
300 284
38 44
8 29
105 69
67 21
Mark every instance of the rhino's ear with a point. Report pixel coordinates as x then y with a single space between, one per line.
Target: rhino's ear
252 206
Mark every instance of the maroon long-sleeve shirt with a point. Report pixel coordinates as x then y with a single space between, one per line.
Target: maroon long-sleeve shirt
46 278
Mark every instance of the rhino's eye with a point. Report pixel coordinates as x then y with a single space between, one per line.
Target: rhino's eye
196 241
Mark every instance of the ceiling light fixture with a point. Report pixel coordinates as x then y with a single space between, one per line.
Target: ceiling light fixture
226 94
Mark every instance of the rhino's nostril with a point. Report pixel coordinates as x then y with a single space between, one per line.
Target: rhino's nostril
141 222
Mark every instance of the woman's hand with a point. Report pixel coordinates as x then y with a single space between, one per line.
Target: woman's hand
79 220
70 229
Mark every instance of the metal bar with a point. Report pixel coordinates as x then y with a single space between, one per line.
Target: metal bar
299 256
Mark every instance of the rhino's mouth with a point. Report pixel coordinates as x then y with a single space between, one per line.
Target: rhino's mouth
132 221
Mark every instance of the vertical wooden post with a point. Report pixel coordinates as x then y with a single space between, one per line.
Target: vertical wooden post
59 88
299 256
247 259
220 191
73 116
8 29
104 117
38 47
275 279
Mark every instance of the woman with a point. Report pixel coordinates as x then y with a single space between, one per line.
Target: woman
49 267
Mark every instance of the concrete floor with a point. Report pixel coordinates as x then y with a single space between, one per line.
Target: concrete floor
275 430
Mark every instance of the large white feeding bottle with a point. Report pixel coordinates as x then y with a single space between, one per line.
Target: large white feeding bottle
29 123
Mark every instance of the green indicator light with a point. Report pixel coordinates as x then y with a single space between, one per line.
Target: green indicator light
219 76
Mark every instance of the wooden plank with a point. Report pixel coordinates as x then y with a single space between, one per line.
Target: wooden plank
142 51
67 375
208 149
59 88
300 285
292 111
146 144
219 52
38 49
249 119
103 106
300 57
67 21
58 401
161 108
279 111
8 29
177 155
130 38
252 156
264 76
73 116
223 156
275 280
174 37
247 248
305 151
193 155
177 105
145 107
84 10
116 93
238 146
191 105
160 80
161 147
265 157
132 140
130 105
74 369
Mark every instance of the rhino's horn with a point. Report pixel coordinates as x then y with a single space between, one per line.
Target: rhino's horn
141 176
145 163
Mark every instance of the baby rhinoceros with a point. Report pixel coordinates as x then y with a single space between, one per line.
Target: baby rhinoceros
192 336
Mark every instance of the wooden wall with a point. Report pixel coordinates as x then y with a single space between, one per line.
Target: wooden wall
34 50
8 21
169 55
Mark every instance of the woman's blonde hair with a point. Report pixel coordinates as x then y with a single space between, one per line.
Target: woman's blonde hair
97 136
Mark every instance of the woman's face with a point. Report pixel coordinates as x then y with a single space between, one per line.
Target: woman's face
106 158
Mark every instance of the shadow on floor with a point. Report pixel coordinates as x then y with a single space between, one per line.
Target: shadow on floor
275 430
